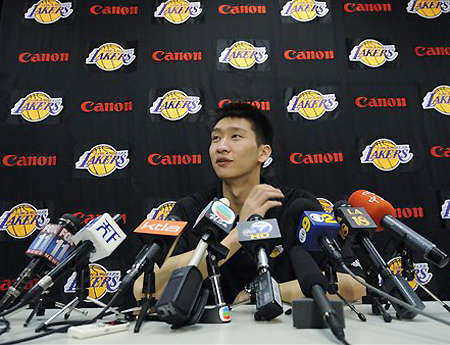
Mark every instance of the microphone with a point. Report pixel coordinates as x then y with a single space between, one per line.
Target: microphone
181 303
383 214
97 240
354 222
48 249
314 284
164 236
317 230
259 236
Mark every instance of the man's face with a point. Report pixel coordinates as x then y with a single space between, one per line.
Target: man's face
233 150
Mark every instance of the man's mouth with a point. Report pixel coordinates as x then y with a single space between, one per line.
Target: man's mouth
223 161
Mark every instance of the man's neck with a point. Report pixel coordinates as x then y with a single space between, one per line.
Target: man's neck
237 190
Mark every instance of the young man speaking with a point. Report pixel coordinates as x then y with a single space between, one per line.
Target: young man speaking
241 141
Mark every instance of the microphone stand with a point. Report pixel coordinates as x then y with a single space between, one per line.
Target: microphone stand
408 273
220 312
148 301
38 308
333 289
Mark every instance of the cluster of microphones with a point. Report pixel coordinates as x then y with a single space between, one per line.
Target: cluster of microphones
66 247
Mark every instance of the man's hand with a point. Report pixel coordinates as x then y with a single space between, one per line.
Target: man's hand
259 201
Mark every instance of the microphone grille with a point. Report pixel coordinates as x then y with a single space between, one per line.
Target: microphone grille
225 201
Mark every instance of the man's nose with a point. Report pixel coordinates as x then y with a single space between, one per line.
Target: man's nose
223 146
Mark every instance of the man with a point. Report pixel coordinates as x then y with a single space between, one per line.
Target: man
241 141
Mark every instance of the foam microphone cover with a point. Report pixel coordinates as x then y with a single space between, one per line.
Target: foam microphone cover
307 271
301 205
375 205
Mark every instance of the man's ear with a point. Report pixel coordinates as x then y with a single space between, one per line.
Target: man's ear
264 152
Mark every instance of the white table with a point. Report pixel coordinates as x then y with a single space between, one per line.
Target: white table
244 330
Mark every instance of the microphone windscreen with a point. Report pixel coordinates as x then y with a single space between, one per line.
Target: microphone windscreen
307 271
301 205
375 205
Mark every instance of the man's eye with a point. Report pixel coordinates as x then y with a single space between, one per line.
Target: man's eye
236 136
214 138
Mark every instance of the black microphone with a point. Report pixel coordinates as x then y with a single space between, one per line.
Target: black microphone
163 235
49 248
259 236
316 230
313 284
97 240
355 221
181 301
382 212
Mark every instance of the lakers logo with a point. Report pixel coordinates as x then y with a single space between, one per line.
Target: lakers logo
178 11
422 275
49 11
373 53
101 281
438 99
23 219
311 104
37 106
428 9
386 155
102 160
304 10
175 105
162 211
243 55
110 57
326 204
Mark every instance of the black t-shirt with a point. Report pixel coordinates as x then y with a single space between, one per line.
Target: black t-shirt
240 269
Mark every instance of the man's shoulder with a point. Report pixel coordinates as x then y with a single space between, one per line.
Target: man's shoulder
291 194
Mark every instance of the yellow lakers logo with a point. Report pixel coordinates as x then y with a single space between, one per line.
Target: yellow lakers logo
178 11
102 160
162 211
37 106
326 204
49 11
102 281
373 53
304 10
23 219
243 55
175 105
312 104
110 57
438 99
428 9
386 155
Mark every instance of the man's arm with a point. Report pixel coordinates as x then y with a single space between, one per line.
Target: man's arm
163 274
257 202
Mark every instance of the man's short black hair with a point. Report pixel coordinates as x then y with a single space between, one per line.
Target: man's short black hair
259 122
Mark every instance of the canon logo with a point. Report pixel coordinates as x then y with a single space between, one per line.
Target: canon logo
114 10
439 152
6 283
242 9
364 102
87 217
316 158
25 161
351 7
292 54
409 212
159 55
431 51
106 107
27 57
157 159
261 105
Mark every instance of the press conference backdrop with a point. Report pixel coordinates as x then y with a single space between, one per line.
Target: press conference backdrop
106 107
